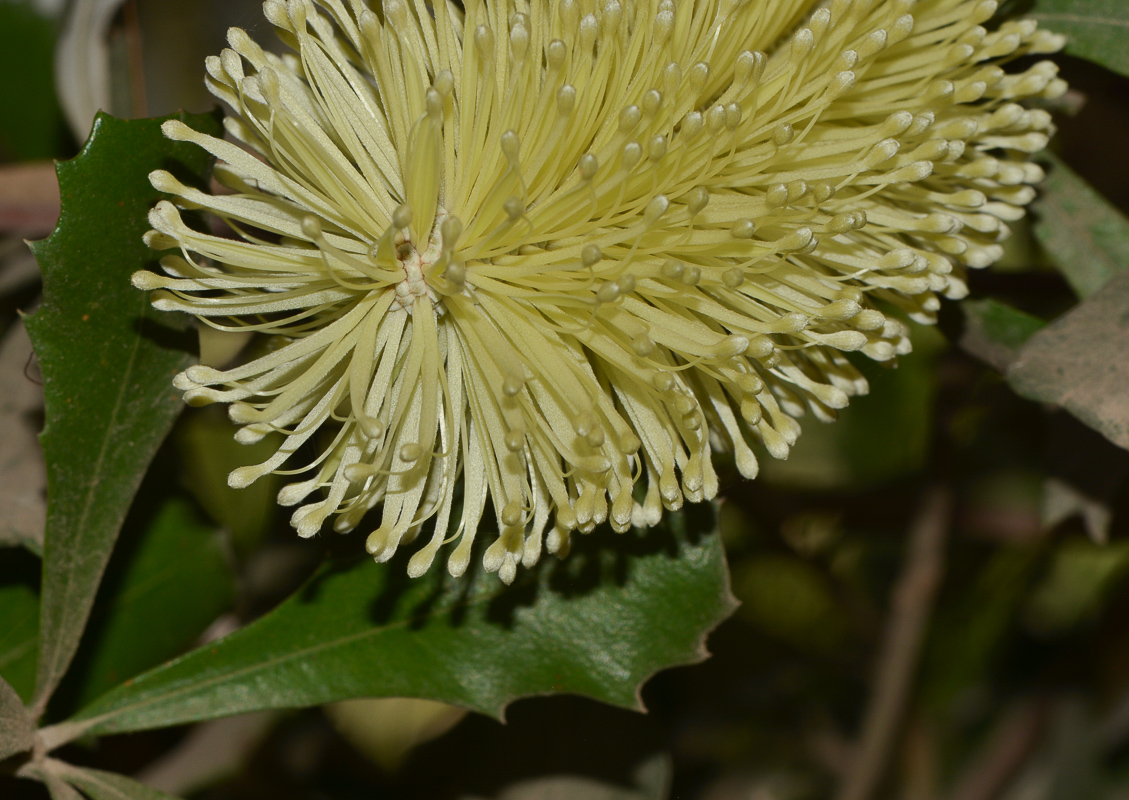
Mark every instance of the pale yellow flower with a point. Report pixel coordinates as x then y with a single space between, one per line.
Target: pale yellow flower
549 251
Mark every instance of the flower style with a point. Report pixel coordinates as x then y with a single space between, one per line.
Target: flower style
546 250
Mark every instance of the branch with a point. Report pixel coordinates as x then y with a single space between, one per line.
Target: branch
901 645
1007 750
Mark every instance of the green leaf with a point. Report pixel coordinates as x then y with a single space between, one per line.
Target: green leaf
208 453
970 629
107 364
19 608
792 600
99 785
31 123
994 331
1079 363
618 609
17 731
1085 235
880 436
1095 29
1081 576
175 585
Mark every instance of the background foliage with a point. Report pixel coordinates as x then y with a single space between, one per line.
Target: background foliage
932 590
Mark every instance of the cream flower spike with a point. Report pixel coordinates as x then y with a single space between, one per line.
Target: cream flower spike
551 250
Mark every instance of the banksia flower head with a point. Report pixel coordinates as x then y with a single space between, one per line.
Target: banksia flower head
550 250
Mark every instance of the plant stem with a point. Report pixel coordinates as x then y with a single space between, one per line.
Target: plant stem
912 605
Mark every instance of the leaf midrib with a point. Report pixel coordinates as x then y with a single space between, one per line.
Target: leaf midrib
53 656
92 723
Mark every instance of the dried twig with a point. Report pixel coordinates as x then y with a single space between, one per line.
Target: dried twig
138 100
912 604
1007 750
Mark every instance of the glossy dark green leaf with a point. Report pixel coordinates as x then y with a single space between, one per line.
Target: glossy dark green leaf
19 608
107 364
1085 235
994 331
174 586
599 623
1078 362
1095 29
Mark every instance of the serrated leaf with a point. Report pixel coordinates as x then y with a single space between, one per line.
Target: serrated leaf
1078 362
1087 237
994 331
175 585
17 731
19 608
618 609
1095 29
107 364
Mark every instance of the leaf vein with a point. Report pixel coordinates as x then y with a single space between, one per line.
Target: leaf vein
273 662
89 500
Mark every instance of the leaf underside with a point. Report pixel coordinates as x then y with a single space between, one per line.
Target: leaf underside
1095 29
1087 237
994 331
1078 362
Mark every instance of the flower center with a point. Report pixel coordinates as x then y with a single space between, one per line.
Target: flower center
415 265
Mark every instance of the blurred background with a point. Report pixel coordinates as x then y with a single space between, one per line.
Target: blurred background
941 509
